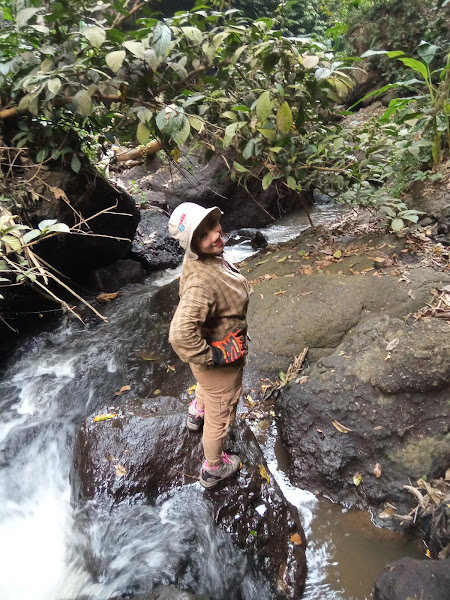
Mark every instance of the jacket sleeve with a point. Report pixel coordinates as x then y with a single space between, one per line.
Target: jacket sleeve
185 333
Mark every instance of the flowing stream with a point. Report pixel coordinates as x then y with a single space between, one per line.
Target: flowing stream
50 551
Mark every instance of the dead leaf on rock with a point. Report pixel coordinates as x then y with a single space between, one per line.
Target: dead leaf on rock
340 427
392 344
387 513
170 368
378 427
357 478
296 539
377 470
264 474
104 417
123 389
120 471
306 271
280 293
104 298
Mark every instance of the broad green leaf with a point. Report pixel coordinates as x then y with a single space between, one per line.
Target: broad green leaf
284 118
24 15
162 36
83 103
228 114
193 33
219 38
54 85
151 59
59 228
291 183
415 65
230 132
238 53
183 133
322 73
115 59
249 149
46 223
12 242
42 154
31 235
263 107
143 133
136 48
196 122
397 224
47 65
270 134
310 61
427 51
267 180
75 164
239 167
413 218
144 114
95 35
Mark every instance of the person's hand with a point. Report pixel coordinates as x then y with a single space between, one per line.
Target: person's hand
229 349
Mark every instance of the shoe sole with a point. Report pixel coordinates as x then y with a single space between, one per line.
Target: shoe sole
192 426
208 486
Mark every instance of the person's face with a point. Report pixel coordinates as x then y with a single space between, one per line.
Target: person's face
208 239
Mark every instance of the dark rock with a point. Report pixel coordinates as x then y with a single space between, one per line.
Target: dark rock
253 236
66 197
170 592
209 184
409 579
151 444
116 275
387 406
152 245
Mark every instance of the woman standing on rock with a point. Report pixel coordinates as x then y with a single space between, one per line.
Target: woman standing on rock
209 331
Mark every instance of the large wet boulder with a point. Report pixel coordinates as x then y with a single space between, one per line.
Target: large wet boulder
153 246
146 452
409 579
381 398
104 216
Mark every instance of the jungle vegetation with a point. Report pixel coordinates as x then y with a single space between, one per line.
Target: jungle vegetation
267 93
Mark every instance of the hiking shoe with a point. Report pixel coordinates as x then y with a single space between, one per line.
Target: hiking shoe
196 417
211 476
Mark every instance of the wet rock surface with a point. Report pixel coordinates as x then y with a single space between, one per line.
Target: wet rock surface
395 403
147 453
409 579
371 365
152 246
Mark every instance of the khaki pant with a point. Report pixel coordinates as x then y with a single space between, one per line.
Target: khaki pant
218 390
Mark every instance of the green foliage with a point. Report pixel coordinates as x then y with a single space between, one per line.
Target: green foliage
77 78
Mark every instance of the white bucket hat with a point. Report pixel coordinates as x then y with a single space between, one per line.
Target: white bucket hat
184 221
